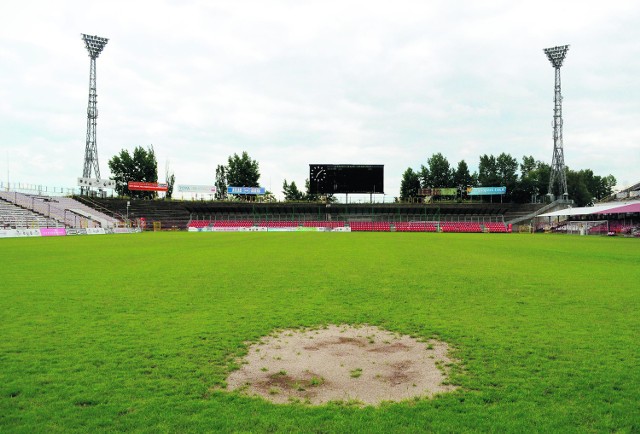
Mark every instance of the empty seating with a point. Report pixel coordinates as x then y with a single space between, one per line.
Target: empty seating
233 223
278 224
323 224
496 227
199 223
370 226
65 210
13 216
416 226
459 227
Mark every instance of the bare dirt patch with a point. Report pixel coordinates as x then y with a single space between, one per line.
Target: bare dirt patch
343 363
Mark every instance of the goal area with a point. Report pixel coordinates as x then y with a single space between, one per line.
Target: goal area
591 227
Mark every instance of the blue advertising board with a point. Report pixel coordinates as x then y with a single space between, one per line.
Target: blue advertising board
486 191
246 190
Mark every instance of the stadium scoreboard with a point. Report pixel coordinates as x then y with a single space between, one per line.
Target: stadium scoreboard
346 178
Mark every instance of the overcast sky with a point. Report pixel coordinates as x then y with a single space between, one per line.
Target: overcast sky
299 82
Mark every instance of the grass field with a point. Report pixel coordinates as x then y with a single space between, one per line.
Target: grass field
138 332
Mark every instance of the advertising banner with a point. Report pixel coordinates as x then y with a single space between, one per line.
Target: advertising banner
345 229
10 233
94 182
246 190
53 232
309 229
95 231
291 229
146 186
76 231
7 233
438 191
123 230
485 191
185 188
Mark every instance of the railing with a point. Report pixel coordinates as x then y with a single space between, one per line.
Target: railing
24 187
47 210
104 210
537 212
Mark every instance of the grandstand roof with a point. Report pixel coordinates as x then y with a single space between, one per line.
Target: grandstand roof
609 208
632 207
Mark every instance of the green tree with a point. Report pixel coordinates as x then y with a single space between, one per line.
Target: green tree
409 185
542 176
291 192
170 179
578 190
440 174
528 164
608 182
142 166
312 197
461 176
507 168
221 182
242 171
600 187
488 171
423 176
533 181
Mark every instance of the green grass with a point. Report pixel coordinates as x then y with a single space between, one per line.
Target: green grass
138 332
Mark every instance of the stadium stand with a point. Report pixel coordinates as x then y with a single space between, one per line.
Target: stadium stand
359 226
199 223
323 224
400 217
64 210
460 227
14 217
495 227
233 223
171 215
277 224
416 226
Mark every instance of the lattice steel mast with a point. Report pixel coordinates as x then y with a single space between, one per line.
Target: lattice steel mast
94 45
556 56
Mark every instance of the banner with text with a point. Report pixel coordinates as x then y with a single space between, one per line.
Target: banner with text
438 191
185 188
246 190
146 186
53 232
94 182
485 191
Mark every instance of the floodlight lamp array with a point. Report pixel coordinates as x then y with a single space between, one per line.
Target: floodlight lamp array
556 55
94 44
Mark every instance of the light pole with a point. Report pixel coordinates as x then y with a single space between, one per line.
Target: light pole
556 56
94 45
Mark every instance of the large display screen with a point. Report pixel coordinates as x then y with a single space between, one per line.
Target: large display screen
346 178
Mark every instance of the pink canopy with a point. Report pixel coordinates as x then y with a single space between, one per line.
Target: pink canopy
634 207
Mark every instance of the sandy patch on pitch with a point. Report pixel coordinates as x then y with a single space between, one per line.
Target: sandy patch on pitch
343 363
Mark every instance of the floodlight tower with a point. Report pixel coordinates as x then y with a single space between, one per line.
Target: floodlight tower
94 45
556 56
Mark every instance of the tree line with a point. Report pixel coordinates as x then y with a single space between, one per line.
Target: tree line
524 181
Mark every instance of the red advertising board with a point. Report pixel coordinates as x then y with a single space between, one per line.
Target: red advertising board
146 186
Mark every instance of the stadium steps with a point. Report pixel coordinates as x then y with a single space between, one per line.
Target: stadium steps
16 216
